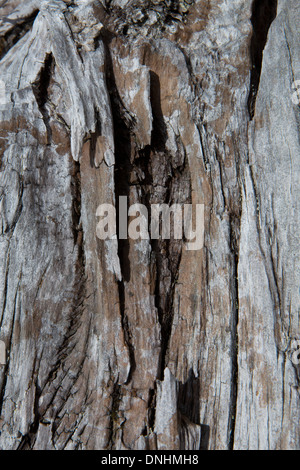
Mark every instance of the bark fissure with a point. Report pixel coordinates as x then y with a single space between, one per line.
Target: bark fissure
40 90
234 245
116 399
263 14
168 175
28 440
14 35
123 148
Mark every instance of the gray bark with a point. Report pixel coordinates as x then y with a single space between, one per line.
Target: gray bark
143 344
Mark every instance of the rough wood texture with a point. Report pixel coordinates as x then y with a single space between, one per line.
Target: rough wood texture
143 344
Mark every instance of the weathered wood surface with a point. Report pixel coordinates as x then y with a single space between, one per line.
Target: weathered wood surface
142 344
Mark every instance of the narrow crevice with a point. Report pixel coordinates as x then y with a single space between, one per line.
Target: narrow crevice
188 405
116 399
234 246
151 409
188 398
10 229
108 5
165 314
159 132
221 174
76 212
165 258
123 125
296 368
160 177
205 436
127 331
194 82
28 441
16 33
40 90
263 14
171 172
201 129
94 138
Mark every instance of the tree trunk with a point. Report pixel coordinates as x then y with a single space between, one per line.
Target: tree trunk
143 344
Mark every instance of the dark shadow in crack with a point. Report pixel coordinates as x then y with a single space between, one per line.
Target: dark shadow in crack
40 89
263 14
189 406
159 133
16 33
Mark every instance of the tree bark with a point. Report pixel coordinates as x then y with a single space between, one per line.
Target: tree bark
142 344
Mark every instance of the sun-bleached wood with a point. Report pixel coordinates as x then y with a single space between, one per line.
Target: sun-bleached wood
143 344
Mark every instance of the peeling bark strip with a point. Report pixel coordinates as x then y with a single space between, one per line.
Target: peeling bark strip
141 344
